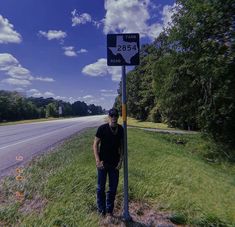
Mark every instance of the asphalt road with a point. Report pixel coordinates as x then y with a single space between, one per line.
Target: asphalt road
19 143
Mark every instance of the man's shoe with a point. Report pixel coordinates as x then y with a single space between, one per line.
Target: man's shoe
109 214
101 213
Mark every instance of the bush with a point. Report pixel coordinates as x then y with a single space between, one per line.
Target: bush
155 115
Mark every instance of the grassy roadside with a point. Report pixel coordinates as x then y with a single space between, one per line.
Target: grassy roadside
60 186
29 121
145 124
131 122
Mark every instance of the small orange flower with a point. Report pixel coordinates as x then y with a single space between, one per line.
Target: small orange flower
19 178
19 194
19 170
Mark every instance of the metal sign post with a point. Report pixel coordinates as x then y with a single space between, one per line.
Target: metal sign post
122 50
126 214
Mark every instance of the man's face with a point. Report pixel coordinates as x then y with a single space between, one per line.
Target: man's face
113 119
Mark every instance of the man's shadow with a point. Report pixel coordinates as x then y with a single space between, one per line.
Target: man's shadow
131 223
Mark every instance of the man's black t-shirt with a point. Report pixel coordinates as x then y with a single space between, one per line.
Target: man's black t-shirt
110 144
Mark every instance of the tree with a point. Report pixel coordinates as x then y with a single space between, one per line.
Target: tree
52 110
80 108
197 68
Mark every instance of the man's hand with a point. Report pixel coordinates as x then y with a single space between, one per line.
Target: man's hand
99 164
119 166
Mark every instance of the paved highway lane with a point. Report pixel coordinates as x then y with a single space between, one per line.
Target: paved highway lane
27 140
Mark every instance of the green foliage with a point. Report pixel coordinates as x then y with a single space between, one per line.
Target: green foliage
186 77
51 110
13 107
194 78
155 115
80 108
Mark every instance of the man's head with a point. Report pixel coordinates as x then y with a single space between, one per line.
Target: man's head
113 117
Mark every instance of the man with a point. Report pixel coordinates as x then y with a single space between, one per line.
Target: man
108 152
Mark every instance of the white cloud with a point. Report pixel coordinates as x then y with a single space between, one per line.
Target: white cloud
53 34
71 99
69 51
60 97
14 81
100 68
104 90
7 33
84 18
115 72
125 16
18 74
154 30
88 96
37 95
49 94
44 79
109 95
80 19
19 89
32 90
97 24
82 51
167 13
7 61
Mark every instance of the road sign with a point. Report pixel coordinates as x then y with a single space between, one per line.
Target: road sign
60 110
123 49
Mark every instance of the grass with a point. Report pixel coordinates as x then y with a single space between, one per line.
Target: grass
29 121
169 176
145 124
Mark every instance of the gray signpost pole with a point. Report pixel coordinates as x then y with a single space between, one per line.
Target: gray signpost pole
126 214
122 50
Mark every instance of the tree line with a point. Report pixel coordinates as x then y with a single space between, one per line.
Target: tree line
14 106
186 76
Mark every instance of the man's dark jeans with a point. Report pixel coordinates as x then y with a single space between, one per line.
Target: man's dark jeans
107 204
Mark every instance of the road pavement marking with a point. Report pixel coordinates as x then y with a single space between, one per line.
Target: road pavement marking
36 137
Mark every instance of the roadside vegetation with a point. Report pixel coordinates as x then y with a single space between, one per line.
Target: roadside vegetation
16 107
60 187
29 121
145 124
186 75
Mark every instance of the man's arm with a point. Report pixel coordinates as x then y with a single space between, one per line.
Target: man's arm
121 151
96 147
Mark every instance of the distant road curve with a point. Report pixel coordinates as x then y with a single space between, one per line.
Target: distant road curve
27 140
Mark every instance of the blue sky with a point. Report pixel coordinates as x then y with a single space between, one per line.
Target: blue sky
51 48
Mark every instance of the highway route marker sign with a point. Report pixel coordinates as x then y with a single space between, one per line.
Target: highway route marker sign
123 49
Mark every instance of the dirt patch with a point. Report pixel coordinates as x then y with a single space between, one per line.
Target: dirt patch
36 205
142 214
